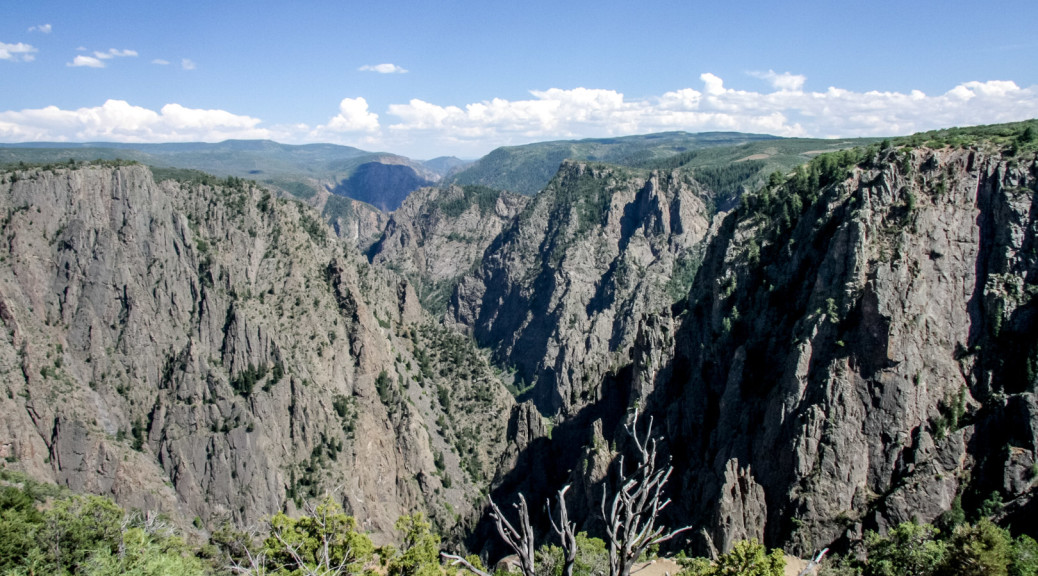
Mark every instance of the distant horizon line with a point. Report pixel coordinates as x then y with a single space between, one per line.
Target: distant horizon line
56 144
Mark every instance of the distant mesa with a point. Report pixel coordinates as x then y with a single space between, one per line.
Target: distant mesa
384 186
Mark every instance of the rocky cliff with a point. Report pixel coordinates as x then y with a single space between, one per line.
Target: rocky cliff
439 234
214 352
852 346
357 223
859 346
559 294
862 353
384 183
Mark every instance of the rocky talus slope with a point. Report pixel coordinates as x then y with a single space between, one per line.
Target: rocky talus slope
214 352
439 234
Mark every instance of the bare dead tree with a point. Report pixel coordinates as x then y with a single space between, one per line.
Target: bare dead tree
456 560
254 564
631 521
815 562
567 532
521 540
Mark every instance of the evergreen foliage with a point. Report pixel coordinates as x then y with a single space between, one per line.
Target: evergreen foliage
746 558
592 558
321 540
908 550
729 180
419 553
1016 137
472 195
246 380
46 530
913 549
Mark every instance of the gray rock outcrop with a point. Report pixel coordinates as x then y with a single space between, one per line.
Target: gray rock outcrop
871 360
215 352
560 293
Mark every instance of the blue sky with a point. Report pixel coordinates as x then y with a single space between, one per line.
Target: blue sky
427 79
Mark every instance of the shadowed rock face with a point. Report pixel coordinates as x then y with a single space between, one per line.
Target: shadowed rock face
875 360
215 352
384 186
859 361
560 292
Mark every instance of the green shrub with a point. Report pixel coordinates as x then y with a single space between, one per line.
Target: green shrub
746 558
908 550
318 541
982 549
419 553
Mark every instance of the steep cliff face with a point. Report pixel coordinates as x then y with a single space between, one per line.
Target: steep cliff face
212 351
354 221
438 234
560 293
848 349
384 184
861 355
859 346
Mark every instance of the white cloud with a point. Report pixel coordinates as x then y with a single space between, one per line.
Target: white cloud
119 121
784 81
81 61
160 62
786 111
383 69
99 58
113 53
187 64
427 129
42 28
353 116
17 52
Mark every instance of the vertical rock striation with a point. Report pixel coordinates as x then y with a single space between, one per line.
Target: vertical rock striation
214 352
866 361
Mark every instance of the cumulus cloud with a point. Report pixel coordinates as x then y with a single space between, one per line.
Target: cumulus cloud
427 129
786 111
42 28
17 52
784 81
383 69
553 112
187 64
119 121
160 62
353 116
81 61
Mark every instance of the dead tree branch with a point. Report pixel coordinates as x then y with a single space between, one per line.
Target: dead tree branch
567 532
455 560
521 541
631 520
